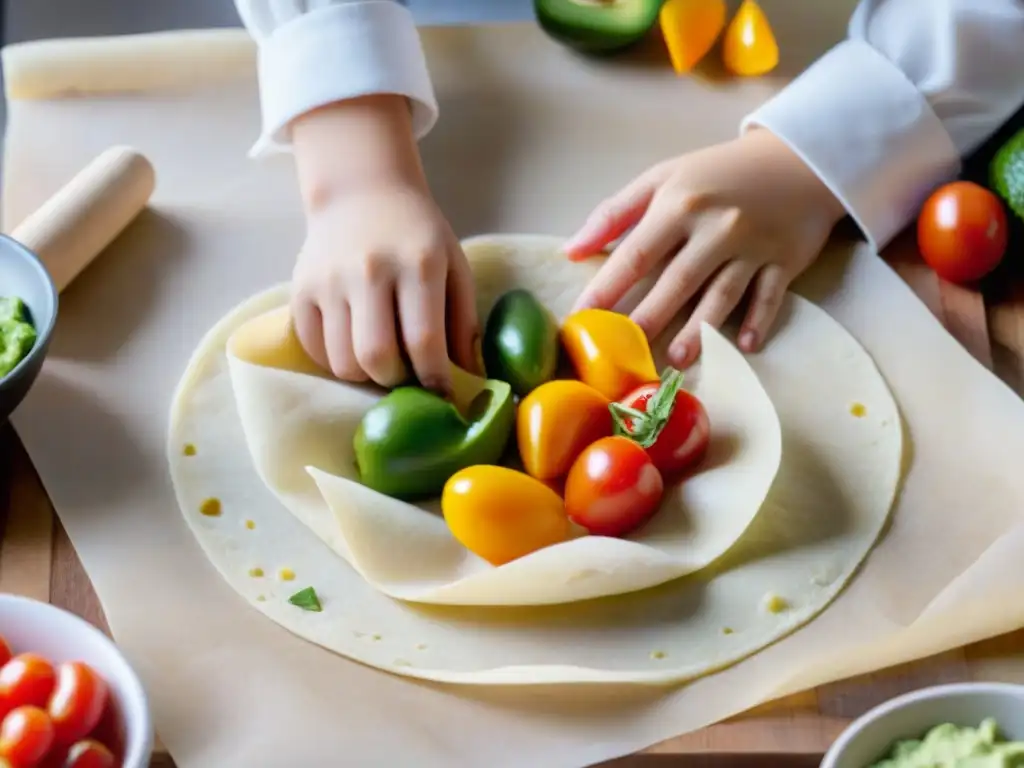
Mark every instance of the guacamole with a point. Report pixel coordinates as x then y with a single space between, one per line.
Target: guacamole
950 746
17 334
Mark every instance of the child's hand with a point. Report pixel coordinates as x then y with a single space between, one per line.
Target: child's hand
381 270
744 214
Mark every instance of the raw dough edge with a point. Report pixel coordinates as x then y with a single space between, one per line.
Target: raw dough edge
158 61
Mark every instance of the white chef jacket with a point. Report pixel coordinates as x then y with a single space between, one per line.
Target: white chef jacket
882 118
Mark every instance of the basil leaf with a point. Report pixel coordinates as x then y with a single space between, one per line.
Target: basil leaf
306 599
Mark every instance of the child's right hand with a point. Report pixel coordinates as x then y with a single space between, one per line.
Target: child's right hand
381 271
381 274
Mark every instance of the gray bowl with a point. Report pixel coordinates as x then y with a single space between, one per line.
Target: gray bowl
24 276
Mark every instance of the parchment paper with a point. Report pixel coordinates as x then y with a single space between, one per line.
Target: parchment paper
530 138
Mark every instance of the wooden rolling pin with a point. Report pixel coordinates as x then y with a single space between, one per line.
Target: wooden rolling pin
74 226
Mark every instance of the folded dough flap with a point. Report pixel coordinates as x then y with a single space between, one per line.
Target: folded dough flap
299 426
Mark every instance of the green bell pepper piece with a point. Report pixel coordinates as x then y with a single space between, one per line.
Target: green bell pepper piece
520 343
412 440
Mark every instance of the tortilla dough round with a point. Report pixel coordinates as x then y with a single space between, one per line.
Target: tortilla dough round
840 467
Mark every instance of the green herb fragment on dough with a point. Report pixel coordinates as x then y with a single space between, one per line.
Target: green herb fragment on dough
306 599
1006 173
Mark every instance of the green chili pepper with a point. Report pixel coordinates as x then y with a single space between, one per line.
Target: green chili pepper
412 440
520 343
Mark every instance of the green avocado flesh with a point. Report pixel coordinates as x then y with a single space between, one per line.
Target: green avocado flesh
597 26
17 334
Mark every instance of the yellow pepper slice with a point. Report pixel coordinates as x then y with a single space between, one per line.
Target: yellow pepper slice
555 422
690 29
500 515
750 48
609 352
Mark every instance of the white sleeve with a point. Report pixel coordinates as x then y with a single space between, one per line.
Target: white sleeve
316 52
885 117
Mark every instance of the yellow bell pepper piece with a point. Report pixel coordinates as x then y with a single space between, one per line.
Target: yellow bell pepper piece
690 29
556 422
609 351
501 515
749 48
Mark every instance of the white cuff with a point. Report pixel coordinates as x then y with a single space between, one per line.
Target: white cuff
867 132
339 52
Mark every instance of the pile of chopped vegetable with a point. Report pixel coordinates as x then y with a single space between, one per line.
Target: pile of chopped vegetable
690 29
17 334
596 451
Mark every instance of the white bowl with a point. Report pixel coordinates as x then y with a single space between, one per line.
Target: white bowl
29 625
870 737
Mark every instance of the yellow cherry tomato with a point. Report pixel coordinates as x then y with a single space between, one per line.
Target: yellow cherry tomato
501 515
609 351
750 48
555 422
690 29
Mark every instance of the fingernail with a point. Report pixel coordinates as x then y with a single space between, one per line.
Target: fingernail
573 244
679 353
435 385
478 355
748 341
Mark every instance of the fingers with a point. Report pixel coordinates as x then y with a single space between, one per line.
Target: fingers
309 327
374 339
641 251
463 322
611 218
765 302
336 332
719 300
699 259
421 312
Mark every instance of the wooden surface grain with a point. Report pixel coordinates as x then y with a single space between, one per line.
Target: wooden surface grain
38 560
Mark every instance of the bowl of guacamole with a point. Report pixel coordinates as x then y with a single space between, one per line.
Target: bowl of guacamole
965 725
28 311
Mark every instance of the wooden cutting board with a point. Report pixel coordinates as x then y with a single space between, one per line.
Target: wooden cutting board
38 560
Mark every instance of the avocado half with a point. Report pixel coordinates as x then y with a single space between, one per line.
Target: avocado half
597 26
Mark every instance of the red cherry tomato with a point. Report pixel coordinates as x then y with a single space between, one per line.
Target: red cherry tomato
25 736
88 754
5 652
962 232
683 440
613 487
27 679
77 702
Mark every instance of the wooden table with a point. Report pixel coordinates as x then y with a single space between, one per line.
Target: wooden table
38 560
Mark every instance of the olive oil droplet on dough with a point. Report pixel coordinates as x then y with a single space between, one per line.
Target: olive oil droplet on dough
775 604
189 449
858 410
210 508
286 574
256 573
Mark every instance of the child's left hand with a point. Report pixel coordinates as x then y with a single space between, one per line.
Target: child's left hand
745 213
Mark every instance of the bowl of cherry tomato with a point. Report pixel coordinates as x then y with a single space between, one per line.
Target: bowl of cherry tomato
68 698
